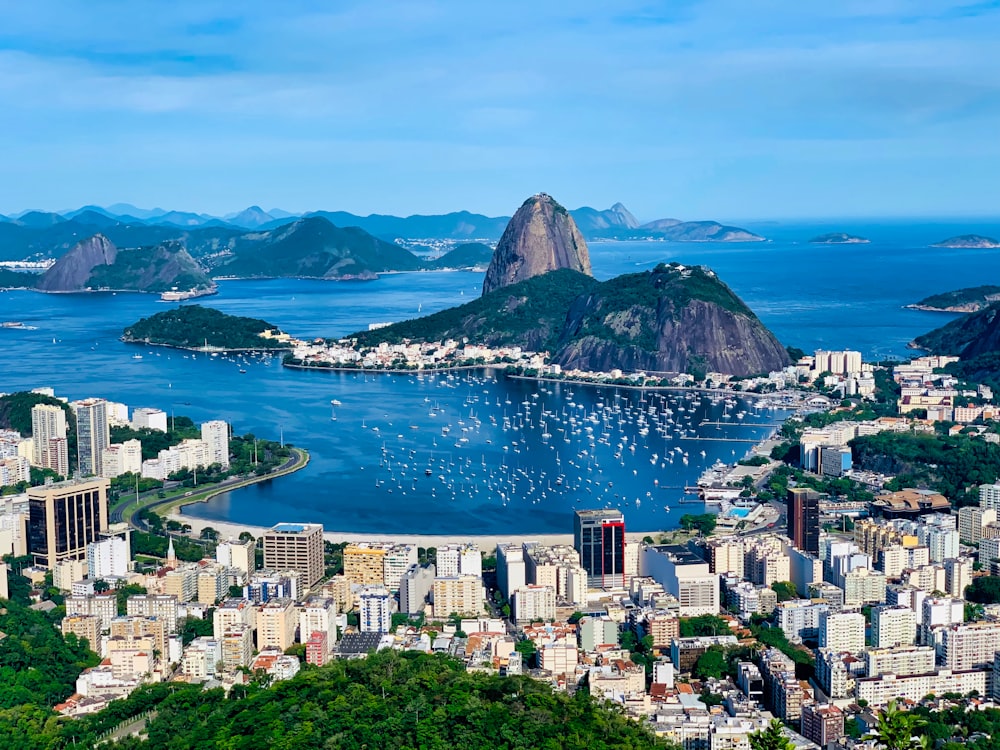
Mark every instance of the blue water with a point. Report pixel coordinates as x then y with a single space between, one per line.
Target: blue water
497 481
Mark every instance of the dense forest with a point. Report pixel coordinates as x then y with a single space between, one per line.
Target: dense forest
194 326
388 700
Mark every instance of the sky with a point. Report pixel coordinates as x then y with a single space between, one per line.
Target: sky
720 109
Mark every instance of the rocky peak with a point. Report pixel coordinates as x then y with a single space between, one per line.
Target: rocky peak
539 238
623 216
73 269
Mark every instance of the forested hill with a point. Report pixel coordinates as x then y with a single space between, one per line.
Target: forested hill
194 326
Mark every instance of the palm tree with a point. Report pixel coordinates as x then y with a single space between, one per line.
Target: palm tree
897 729
772 737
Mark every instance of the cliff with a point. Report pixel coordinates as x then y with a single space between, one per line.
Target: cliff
966 337
972 299
671 319
72 271
540 237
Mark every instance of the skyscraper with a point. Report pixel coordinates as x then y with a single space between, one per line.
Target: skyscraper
48 433
63 518
295 546
803 519
92 434
215 434
599 537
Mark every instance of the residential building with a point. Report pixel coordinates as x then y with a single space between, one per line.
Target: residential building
842 631
823 723
969 646
232 614
799 619
957 576
461 595
863 586
414 588
160 606
64 517
531 603
108 557
92 434
296 546
238 555
511 569
121 458
236 643
102 606
595 631
878 691
459 559
276 623
972 519
397 560
144 418
893 626
364 563
84 627
48 434
683 575
318 649
318 614
903 661
375 606
215 434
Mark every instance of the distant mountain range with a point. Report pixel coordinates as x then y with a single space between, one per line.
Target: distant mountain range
45 234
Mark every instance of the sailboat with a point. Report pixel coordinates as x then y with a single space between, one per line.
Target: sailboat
333 410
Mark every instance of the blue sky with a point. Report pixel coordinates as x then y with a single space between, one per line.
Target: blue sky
717 109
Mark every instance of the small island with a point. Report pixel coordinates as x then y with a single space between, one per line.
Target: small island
968 300
204 329
969 241
839 238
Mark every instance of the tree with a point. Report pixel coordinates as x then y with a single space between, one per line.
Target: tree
897 729
711 664
785 590
772 737
984 590
100 586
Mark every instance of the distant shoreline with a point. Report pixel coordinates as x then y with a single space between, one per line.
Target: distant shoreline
204 350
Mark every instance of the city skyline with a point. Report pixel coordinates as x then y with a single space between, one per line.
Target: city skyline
696 110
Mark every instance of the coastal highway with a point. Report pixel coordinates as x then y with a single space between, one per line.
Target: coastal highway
127 511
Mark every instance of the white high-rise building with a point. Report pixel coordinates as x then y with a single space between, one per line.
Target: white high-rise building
842 631
121 458
238 555
459 560
937 614
108 558
92 434
375 605
943 543
989 496
957 575
398 559
534 603
969 646
893 626
511 572
48 434
215 434
318 614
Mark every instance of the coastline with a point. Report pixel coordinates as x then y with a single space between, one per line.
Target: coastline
202 349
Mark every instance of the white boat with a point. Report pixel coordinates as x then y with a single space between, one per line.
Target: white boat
136 356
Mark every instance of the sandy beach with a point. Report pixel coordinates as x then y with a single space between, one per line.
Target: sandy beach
486 543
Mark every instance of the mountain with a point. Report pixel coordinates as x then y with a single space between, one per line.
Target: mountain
660 225
469 255
460 225
250 218
72 271
127 209
966 337
183 219
39 219
671 319
540 237
592 222
697 231
315 248
974 241
968 300
838 238
17 280
95 263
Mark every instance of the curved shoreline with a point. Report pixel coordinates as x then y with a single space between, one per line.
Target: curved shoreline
201 349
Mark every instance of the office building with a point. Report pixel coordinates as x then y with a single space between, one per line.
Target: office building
599 538
893 626
92 434
375 606
842 631
48 438
823 723
215 435
683 575
803 519
64 517
295 546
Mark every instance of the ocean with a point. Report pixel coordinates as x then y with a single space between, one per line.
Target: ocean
517 456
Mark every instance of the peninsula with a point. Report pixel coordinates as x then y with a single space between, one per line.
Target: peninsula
200 328
969 300
969 241
839 238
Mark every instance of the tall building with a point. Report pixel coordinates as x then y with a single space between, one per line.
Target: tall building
683 575
215 434
364 563
48 433
295 546
842 631
276 623
375 610
893 626
511 570
599 537
534 603
108 557
803 519
414 587
989 496
92 434
459 560
237 555
64 517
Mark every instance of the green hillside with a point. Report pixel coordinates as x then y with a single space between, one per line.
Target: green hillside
151 269
469 255
16 280
194 326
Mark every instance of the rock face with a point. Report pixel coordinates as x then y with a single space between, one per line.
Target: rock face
673 319
541 237
72 271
